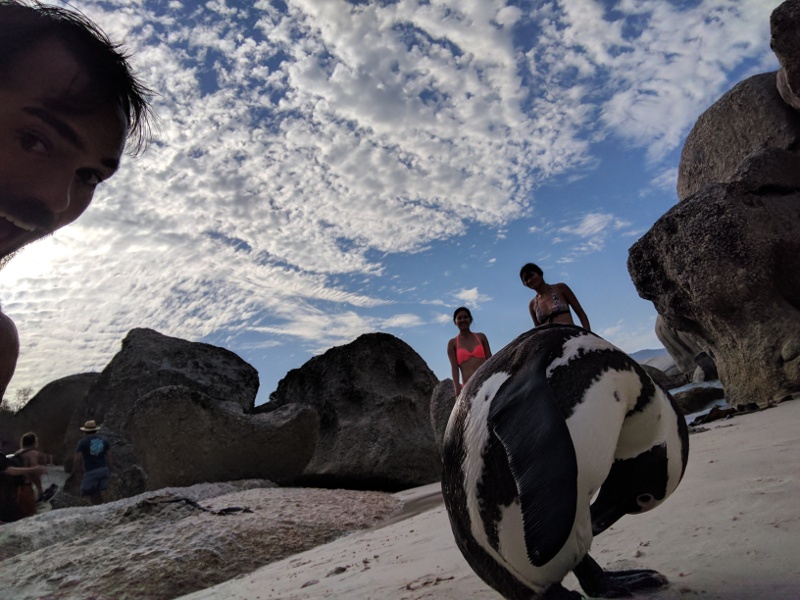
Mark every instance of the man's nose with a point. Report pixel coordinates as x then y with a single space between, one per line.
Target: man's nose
55 190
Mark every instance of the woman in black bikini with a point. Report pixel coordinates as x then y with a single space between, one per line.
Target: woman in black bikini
552 301
467 351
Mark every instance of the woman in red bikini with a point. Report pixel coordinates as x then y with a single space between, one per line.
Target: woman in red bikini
552 302
467 351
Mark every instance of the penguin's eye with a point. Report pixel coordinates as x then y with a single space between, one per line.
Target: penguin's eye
646 501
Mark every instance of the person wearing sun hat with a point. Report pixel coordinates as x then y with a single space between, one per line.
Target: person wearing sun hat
92 455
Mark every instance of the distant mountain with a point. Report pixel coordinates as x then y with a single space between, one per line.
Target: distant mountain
660 358
642 356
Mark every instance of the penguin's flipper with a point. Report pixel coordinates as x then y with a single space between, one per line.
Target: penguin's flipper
525 417
598 583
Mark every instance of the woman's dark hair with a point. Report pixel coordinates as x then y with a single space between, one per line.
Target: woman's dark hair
529 268
459 309
25 24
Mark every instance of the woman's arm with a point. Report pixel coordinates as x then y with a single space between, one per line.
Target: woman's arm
532 310
77 464
25 471
451 354
572 300
485 343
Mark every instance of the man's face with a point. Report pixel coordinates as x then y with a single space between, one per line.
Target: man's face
51 159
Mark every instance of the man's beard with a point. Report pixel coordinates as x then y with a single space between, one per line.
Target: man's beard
28 212
4 260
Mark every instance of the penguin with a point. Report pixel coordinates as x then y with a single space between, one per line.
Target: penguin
556 418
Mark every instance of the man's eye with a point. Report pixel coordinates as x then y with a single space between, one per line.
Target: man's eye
89 177
32 142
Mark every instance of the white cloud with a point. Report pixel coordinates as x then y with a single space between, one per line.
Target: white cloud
649 67
442 318
402 321
666 180
471 296
594 224
630 337
589 235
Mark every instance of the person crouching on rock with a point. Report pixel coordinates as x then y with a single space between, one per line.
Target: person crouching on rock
30 456
467 351
12 481
92 455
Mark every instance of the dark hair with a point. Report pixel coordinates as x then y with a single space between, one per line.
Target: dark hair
459 309
28 440
529 268
25 24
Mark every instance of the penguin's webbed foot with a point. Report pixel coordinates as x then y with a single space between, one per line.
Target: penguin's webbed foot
559 592
621 584
598 583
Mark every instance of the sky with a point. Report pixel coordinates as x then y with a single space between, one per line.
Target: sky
323 169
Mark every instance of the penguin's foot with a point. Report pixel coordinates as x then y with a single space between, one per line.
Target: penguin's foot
598 583
621 584
559 592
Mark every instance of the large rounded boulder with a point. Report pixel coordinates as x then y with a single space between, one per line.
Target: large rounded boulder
721 266
202 440
48 414
443 399
178 412
373 400
749 118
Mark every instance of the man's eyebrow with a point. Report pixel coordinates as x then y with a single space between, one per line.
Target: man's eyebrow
111 163
66 131
60 125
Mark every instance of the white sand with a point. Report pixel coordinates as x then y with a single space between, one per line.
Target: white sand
730 532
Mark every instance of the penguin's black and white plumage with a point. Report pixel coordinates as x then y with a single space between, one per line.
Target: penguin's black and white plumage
554 417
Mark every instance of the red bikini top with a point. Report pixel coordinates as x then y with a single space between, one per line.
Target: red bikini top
462 354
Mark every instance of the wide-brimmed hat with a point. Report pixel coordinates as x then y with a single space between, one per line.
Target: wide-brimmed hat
90 426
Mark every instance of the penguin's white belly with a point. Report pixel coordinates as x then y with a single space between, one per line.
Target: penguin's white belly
514 553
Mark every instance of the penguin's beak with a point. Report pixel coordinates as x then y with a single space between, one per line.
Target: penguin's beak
604 515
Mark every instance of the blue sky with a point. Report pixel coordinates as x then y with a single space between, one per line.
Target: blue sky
326 168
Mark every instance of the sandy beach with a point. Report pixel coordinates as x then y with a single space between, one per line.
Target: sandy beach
730 532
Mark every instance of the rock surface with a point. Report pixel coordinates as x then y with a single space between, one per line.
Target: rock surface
443 400
706 369
150 360
662 379
697 398
680 346
785 43
749 118
200 439
48 414
722 265
373 399
193 394
168 543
